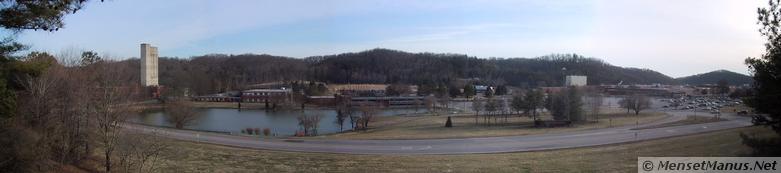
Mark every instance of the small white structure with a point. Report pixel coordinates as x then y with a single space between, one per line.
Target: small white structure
575 81
148 65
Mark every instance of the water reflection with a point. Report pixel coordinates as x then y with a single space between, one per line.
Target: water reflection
282 122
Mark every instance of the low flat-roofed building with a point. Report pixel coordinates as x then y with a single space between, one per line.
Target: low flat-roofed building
322 100
573 80
217 98
387 101
263 95
358 89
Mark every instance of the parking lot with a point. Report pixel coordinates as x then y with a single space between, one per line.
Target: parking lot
711 104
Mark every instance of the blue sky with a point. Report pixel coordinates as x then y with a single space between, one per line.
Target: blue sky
675 37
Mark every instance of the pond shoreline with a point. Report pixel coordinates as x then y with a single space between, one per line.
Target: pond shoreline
254 106
282 122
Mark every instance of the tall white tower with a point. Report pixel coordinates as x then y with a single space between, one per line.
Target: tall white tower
148 65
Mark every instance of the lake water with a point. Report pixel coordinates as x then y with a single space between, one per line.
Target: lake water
282 122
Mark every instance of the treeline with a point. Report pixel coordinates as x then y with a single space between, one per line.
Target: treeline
65 112
391 66
218 73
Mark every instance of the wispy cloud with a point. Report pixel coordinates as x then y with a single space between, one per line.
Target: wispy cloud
444 33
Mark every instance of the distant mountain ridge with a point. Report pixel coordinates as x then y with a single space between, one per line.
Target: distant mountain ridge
713 77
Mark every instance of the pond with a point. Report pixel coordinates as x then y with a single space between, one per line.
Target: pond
282 122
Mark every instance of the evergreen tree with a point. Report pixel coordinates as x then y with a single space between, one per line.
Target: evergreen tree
501 90
534 101
767 84
469 91
519 103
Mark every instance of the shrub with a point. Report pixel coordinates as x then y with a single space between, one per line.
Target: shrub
266 131
243 131
249 131
257 131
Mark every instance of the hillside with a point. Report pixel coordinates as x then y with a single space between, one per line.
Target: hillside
216 72
391 66
714 77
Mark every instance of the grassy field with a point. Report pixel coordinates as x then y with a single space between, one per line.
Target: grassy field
692 119
736 108
196 157
432 127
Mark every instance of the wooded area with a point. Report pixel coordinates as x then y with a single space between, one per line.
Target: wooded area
218 73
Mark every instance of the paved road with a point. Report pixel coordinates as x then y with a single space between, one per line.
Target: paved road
459 146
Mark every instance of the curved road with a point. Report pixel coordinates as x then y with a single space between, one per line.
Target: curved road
458 146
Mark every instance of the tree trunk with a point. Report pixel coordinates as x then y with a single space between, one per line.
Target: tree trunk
476 115
108 162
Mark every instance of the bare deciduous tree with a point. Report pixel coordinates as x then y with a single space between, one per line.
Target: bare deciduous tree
595 101
491 106
444 100
309 123
109 103
367 115
343 111
140 152
477 106
431 103
636 103
180 113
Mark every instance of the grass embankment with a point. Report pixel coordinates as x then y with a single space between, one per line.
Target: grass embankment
432 127
736 108
692 119
196 157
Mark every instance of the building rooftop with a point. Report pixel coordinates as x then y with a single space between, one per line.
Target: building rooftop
267 90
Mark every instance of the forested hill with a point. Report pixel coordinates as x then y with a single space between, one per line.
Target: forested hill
713 78
390 66
213 73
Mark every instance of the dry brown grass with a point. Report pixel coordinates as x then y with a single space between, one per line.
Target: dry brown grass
432 127
692 119
736 108
196 157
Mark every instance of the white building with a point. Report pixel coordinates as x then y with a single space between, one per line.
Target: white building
575 81
148 65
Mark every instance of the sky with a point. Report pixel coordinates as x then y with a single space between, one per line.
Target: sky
675 37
